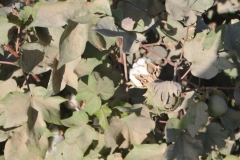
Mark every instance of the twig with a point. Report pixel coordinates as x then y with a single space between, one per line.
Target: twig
194 85
36 77
18 39
175 72
7 47
186 73
223 88
10 63
149 50
123 59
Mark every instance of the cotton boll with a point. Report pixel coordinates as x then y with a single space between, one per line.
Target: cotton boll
141 61
74 105
139 70
135 65
56 138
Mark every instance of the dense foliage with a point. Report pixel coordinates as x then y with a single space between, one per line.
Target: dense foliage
127 79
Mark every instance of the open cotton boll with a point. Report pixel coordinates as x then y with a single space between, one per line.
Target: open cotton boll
74 105
56 138
139 70
142 61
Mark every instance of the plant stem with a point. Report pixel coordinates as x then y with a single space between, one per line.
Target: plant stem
123 60
7 47
186 73
149 50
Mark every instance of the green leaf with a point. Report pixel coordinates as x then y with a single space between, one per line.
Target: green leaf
213 136
173 130
231 36
93 88
214 39
195 118
204 59
185 147
230 120
25 13
146 151
78 119
129 10
16 111
102 115
49 108
4 28
86 66
131 41
72 42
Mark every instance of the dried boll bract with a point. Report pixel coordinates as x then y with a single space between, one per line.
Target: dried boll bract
164 95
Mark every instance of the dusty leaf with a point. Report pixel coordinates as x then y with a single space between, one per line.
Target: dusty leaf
37 58
132 129
8 85
15 111
131 41
18 138
49 108
86 66
202 52
93 88
147 152
52 14
79 132
3 136
127 24
102 115
214 136
195 118
59 78
72 42
65 150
